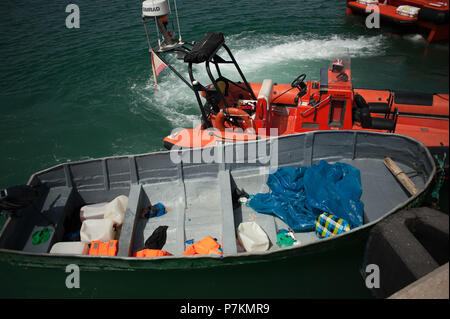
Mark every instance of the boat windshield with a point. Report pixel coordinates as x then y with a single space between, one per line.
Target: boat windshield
339 72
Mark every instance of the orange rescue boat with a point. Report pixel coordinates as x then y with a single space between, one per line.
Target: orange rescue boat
239 111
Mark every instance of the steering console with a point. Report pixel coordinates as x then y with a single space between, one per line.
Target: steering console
298 81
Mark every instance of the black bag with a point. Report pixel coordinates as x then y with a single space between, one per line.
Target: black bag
158 239
17 197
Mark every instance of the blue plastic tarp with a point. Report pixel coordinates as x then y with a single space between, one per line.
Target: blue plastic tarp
298 195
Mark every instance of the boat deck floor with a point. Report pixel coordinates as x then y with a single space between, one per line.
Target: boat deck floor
196 210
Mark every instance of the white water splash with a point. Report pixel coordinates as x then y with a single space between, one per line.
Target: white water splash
275 49
172 99
417 38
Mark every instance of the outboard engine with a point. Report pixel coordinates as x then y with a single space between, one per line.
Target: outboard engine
17 197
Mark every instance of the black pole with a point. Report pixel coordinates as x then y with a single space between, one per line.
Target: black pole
217 68
206 123
240 72
175 71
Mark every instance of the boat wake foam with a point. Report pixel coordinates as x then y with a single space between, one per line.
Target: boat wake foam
270 49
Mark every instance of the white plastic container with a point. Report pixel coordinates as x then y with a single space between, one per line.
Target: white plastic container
97 229
408 11
70 248
252 237
94 211
114 210
367 2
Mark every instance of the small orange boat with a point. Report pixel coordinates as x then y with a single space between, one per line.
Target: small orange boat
239 111
242 111
430 16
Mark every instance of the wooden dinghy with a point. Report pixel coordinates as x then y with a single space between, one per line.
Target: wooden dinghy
199 198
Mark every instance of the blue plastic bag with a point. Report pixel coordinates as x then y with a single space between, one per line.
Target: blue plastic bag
300 194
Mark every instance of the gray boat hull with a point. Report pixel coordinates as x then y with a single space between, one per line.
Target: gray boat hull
153 177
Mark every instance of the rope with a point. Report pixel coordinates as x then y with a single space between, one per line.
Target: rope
435 194
178 21
148 38
157 32
442 97
171 20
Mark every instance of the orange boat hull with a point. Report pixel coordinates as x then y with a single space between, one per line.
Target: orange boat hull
433 16
424 118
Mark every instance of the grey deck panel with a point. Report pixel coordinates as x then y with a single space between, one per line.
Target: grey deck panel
164 193
56 206
118 170
127 233
305 238
381 190
181 216
255 182
269 225
203 215
228 230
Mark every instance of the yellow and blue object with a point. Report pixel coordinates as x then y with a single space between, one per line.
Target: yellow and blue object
328 225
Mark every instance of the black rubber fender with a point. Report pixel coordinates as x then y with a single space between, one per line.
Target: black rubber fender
376 107
364 111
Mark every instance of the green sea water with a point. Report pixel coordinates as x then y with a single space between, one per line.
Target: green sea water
74 94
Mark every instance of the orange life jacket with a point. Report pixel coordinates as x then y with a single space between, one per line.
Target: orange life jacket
99 248
151 253
206 246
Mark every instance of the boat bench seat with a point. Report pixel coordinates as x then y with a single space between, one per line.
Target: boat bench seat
135 203
58 204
